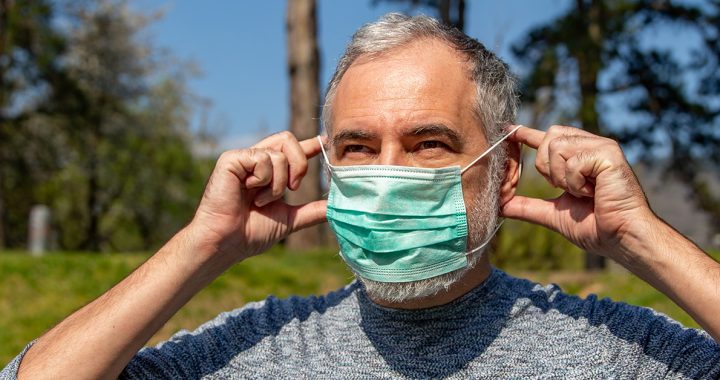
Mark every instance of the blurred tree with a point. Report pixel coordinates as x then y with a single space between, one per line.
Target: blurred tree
566 57
130 161
450 12
304 71
29 47
111 67
95 122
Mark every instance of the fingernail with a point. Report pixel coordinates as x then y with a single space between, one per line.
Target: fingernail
296 184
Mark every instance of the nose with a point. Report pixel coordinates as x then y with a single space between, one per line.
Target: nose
392 153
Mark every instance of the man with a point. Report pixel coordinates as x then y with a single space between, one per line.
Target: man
410 104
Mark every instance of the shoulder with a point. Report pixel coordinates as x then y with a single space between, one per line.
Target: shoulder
272 313
626 332
535 298
212 345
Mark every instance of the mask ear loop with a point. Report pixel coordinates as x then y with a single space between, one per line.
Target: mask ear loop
322 148
490 149
489 239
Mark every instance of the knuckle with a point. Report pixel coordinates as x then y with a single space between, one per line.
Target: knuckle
286 135
226 154
556 129
226 157
556 144
263 156
280 158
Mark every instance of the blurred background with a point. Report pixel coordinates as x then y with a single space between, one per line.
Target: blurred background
113 112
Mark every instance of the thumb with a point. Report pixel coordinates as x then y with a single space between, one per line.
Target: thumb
537 211
306 215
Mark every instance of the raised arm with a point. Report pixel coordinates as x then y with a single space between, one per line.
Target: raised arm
240 215
604 210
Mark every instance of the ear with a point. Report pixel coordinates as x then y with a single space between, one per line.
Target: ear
512 173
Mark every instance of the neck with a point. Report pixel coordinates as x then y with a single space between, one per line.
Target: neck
469 281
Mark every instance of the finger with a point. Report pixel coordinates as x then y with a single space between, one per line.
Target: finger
556 162
543 158
528 136
301 152
588 165
297 154
577 184
306 215
247 165
262 172
561 149
537 211
311 147
286 143
279 180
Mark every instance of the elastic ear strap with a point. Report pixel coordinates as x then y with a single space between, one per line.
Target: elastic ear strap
490 149
322 148
489 239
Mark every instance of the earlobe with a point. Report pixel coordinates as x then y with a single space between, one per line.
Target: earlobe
513 171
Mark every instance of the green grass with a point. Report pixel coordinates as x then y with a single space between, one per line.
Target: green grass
36 293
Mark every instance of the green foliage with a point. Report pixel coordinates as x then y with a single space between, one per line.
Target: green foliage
105 139
601 66
29 48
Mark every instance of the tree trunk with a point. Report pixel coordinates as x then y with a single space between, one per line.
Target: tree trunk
93 231
589 64
4 9
304 71
2 208
452 13
94 208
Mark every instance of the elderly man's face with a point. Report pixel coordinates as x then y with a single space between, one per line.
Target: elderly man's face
410 107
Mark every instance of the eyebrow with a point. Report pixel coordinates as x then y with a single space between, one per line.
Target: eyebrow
352 134
424 130
428 130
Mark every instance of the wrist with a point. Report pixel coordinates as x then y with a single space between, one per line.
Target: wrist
195 249
640 246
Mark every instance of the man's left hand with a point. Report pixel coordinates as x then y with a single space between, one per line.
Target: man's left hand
603 201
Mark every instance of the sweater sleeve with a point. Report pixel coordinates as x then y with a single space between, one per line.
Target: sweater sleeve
11 370
655 346
192 355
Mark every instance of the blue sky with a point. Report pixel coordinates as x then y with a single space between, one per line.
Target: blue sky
240 48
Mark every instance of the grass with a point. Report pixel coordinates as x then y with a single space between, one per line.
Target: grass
36 293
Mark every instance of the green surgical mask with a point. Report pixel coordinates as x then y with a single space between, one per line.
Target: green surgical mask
399 223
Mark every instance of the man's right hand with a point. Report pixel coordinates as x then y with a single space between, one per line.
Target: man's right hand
242 213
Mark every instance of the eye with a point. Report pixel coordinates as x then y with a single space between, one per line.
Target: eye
431 144
355 148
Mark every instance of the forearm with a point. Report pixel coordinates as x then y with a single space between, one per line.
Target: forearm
105 334
678 268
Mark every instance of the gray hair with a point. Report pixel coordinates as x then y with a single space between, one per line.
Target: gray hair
495 107
496 90
497 101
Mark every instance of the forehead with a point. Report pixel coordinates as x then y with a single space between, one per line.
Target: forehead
424 80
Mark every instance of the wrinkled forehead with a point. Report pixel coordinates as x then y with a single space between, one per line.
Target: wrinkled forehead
426 82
